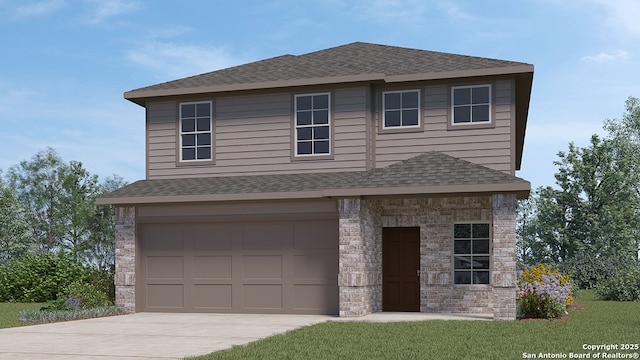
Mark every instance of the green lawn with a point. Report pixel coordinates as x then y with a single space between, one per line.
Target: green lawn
601 322
9 313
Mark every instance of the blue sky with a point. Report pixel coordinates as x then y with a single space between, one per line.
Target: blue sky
64 64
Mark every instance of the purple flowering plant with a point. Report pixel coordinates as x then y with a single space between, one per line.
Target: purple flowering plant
544 293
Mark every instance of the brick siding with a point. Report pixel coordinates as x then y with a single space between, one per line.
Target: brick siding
360 279
125 279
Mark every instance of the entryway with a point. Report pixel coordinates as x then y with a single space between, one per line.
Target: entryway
401 269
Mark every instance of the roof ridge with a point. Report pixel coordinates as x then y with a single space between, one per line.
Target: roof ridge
342 63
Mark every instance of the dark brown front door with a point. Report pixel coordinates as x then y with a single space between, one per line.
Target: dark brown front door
400 267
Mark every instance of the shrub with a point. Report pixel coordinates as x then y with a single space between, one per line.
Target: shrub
104 281
624 287
541 306
543 292
84 295
39 277
64 315
587 270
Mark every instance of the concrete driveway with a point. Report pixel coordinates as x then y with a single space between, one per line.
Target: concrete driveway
144 335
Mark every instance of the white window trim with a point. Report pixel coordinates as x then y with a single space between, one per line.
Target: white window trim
490 103
384 120
295 124
180 133
490 254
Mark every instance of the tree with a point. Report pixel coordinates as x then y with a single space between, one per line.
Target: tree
60 205
78 191
37 183
526 251
15 238
100 249
595 208
539 238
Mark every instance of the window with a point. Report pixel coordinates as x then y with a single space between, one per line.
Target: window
401 109
471 104
312 128
471 253
195 131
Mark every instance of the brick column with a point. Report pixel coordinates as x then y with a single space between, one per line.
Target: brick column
504 276
357 282
125 279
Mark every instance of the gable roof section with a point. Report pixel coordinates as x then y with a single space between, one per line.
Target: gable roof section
357 61
431 173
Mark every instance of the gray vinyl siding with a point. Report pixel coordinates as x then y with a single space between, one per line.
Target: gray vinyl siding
491 147
253 136
253 133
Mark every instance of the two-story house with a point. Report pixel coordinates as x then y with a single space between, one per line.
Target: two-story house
351 180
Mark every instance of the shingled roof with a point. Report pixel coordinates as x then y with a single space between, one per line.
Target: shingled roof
431 173
357 61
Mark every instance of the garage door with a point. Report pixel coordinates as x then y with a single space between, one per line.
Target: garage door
239 267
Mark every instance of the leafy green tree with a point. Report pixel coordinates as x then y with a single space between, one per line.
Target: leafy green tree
37 183
60 205
15 238
599 198
78 191
594 210
527 246
100 249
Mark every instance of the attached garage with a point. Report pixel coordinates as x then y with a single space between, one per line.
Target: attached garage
277 265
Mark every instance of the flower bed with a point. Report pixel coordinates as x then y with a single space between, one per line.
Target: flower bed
544 293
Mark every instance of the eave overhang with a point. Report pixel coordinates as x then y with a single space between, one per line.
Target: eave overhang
141 95
520 189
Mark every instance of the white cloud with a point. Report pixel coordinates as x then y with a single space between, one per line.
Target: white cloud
106 9
38 8
168 31
607 56
453 11
171 60
394 10
622 15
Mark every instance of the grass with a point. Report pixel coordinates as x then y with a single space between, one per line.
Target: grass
600 322
9 313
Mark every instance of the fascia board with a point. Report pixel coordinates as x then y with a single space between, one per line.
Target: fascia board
137 95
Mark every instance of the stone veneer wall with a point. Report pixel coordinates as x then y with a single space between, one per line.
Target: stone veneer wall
360 277
435 217
125 279
360 274
360 259
503 275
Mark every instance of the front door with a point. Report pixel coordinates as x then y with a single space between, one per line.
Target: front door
400 269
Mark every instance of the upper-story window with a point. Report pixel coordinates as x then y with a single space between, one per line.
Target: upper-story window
401 109
312 124
471 251
195 131
471 104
